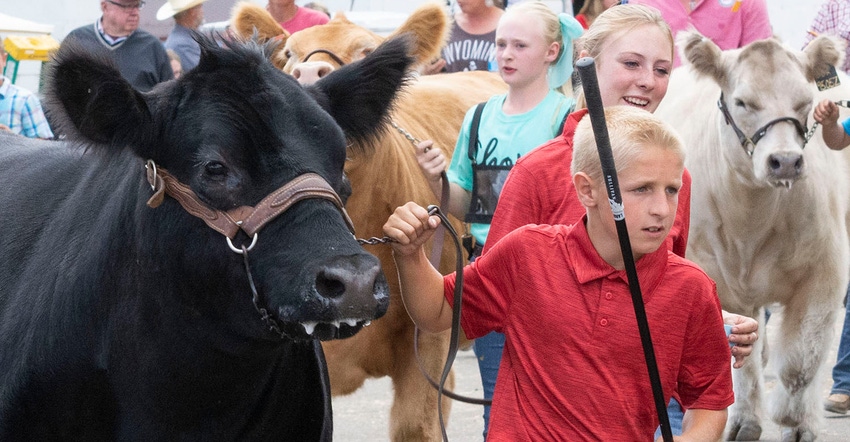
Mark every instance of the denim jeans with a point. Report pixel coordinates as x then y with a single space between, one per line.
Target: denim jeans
841 370
488 351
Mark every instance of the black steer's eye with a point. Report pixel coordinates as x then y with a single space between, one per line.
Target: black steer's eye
214 169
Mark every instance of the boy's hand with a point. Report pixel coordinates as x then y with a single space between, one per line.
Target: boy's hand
744 335
411 226
826 113
431 160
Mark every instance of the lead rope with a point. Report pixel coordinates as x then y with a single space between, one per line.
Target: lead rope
457 303
436 251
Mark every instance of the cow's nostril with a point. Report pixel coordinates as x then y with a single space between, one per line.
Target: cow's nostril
785 165
324 71
329 286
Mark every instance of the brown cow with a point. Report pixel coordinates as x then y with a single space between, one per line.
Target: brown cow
385 175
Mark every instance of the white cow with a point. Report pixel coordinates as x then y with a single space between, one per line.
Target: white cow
767 214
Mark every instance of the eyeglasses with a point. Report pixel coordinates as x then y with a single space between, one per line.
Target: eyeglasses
139 5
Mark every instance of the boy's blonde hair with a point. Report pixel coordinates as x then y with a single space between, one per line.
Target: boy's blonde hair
616 21
631 131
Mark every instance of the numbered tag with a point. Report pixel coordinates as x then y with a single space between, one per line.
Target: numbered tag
828 81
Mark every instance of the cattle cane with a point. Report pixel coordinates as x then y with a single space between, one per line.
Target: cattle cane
587 72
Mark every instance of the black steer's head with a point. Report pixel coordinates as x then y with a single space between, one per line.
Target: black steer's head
235 129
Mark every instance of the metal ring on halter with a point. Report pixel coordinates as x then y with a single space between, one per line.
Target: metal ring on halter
239 251
152 165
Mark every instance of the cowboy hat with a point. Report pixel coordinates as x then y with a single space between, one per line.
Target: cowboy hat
172 7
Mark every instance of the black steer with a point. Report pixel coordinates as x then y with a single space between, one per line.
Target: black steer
123 319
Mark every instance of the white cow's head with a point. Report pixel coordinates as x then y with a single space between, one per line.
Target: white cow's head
767 96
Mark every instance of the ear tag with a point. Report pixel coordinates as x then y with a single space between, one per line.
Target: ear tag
828 81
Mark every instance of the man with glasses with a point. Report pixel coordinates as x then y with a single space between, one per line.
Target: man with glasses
140 56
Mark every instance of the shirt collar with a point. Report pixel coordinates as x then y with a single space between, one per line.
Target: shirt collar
106 37
590 266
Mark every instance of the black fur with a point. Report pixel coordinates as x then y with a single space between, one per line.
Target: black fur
123 322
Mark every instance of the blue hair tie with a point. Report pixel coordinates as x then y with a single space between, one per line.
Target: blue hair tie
561 71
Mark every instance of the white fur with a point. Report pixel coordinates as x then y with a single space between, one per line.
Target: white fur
761 243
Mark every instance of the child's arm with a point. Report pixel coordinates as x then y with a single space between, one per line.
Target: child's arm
421 284
702 425
432 161
826 113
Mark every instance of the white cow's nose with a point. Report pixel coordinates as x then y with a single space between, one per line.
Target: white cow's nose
785 166
311 71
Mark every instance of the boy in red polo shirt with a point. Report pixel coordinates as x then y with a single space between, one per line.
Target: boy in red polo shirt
573 366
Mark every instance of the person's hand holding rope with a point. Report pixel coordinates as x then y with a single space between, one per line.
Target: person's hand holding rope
432 162
410 226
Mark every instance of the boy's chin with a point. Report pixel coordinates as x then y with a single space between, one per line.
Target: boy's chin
646 247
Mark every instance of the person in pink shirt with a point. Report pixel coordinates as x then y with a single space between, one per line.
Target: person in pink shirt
730 24
294 18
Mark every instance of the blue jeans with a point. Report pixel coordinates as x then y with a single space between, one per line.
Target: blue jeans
841 370
675 414
488 350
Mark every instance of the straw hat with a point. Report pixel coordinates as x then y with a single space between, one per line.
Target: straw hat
172 7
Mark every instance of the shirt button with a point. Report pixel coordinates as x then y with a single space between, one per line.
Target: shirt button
608 295
603 322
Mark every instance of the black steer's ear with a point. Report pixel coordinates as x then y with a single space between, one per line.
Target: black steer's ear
359 95
90 99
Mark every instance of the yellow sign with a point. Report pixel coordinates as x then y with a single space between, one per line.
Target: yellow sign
30 48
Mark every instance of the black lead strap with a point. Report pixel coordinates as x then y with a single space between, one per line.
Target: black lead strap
587 72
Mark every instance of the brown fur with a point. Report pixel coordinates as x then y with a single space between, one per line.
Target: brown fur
383 178
248 18
385 175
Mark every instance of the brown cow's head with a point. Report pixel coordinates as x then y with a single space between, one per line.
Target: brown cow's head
340 40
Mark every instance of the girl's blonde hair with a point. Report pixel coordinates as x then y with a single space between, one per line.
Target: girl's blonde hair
616 21
552 32
631 131
551 24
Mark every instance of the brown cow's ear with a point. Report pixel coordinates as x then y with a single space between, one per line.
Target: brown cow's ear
429 24
251 21
820 54
703 54
359 95
246 18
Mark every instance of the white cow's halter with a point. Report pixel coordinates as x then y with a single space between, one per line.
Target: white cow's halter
749 143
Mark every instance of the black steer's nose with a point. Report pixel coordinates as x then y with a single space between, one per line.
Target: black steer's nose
786 166
349 279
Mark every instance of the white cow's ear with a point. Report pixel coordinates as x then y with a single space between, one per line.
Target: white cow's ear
702 54
820 54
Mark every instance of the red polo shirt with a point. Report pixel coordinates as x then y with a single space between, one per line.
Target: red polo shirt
539 190
573 366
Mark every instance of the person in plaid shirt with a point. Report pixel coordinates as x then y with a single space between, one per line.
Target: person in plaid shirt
20 110
833 19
